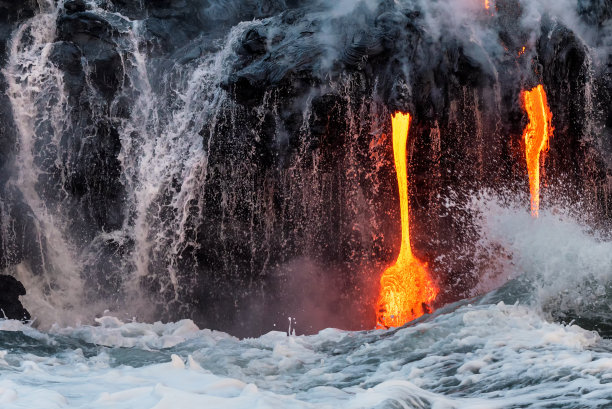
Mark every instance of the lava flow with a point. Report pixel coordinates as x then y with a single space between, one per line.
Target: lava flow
406 289
537 135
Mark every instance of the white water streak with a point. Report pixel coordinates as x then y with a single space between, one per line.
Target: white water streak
40 111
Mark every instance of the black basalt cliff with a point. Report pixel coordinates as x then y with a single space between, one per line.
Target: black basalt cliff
231 159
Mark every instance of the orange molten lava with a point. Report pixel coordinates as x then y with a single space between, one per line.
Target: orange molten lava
536 135
487 5
406 289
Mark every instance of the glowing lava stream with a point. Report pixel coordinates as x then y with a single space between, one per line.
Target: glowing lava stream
537 135
406 289
487 5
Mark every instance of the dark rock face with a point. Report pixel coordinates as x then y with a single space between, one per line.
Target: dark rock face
464 95
10 306
11 13
218 152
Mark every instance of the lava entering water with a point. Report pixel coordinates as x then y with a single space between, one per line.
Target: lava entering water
536 135
406 289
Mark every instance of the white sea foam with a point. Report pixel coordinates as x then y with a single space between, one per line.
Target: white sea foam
488 356
112 332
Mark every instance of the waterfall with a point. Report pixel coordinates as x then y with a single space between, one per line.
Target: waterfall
163 161
40 112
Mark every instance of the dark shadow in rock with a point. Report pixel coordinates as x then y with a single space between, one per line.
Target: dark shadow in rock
10 290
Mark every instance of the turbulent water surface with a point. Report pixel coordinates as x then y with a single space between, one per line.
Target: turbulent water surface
486 355
517 346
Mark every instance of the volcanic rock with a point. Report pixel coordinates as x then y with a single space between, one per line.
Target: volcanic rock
10 306
286 105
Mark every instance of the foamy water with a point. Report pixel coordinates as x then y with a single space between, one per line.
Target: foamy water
511 347
490 355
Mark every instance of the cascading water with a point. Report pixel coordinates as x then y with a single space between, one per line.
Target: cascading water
163 168
153 256
164 162
40 111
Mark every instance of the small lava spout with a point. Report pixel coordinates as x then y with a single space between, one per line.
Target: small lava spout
537 135
406 288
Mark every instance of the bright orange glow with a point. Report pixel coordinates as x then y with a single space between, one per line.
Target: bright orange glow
406 288
487 4
537 135
522 51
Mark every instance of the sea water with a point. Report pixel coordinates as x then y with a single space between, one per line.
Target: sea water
518 345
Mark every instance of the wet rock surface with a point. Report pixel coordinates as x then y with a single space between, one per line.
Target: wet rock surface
297 164
10 306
